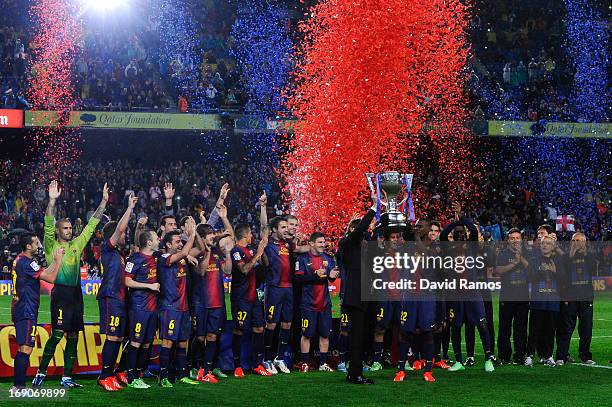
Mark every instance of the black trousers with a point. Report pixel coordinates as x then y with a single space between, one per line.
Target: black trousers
570 312
512 322
470 330
542 327
357 318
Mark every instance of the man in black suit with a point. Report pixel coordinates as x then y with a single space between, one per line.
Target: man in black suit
350 253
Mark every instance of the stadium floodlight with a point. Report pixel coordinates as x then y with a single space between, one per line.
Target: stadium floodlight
103 5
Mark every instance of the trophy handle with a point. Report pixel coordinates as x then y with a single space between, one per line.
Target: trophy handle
408 179
382 202
369 176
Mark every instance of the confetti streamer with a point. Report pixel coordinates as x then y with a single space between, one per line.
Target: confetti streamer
56 35
263 52
369 76
586 44
180 50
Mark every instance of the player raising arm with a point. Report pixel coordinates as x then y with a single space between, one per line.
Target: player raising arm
66 296
175 325
247 305
111 296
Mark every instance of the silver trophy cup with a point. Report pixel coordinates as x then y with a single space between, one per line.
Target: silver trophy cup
390 185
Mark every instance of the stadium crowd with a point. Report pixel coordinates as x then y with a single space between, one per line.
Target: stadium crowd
505 203
518 58
14 54
116 73
195 185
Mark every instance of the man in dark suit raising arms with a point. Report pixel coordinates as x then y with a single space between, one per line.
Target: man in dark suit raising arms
350 253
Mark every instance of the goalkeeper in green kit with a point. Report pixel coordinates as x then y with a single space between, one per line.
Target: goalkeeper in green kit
66 296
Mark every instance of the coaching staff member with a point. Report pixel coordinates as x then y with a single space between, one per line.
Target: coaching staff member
350 253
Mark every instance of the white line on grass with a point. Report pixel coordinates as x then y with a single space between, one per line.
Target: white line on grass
599 366
594 337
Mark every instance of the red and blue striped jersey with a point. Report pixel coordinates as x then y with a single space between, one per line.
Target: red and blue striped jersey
143 269
315 289
244 286
208 290
173 283
112 265
278 272
26 288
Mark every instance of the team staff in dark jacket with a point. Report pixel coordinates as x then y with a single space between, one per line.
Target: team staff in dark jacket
577 302
350 253
544 272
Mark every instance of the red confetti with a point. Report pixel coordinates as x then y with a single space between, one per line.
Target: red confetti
56 39
374 80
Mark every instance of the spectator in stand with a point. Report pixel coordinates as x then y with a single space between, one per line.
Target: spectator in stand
154 193
211 92
12 101
521 71
532 70
131 71
182 104
231 98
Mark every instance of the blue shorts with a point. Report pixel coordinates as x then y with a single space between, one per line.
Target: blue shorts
208 320
174 325
112 316
143 325
279 304
314 322
387 313
471 312
418 315
25 332
247 314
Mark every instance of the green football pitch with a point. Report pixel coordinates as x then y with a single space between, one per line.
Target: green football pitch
570 385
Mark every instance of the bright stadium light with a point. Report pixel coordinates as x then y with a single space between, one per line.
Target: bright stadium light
103 5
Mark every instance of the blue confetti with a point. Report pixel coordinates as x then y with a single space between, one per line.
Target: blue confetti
180 53
586 44
263 51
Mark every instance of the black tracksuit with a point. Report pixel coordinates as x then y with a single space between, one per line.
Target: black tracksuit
350 252
576 304
513 309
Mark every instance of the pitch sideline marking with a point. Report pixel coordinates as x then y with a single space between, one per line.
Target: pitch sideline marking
587 365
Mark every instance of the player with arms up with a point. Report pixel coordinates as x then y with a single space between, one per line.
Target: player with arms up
111 297
208 297
247 307
66 296
279 291
175 325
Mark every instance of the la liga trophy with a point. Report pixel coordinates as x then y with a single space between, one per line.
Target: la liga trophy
393 191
